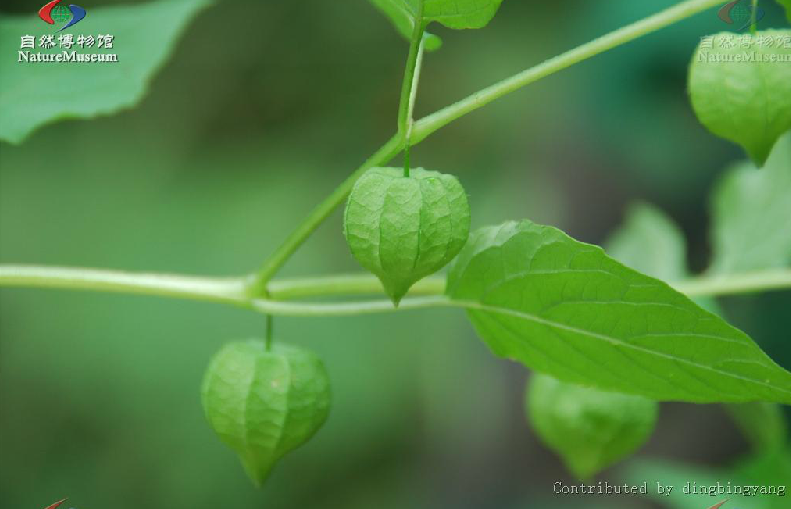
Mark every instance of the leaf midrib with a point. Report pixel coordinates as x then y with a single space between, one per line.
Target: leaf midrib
603 337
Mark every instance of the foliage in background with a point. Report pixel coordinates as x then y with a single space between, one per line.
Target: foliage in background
747 237
35 94
178 263
589 428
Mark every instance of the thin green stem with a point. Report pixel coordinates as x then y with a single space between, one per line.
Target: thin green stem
754 17
423 128
382 156
352 284
426 293
410 122
778 279
428 125
314 309
409 85
166 285
269 332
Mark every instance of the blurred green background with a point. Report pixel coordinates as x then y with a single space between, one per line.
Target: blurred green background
263 108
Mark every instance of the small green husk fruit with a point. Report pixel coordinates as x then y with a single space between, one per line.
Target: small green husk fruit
405 228
590 429
264 404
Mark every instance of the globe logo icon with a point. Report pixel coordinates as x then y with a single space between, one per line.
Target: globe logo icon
60 14
53 13
741 14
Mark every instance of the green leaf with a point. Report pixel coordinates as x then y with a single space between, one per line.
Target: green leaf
264 403
590 429
456 14
566 309
404 21
34 94
650 242
752 215
763 424
740 88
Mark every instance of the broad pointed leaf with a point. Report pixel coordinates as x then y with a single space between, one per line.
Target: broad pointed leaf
763 424
34 94
566 309
456 14
650 242
404 21
752 215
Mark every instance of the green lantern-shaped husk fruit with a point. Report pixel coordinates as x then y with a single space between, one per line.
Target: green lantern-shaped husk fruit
264 403
404 228
590 429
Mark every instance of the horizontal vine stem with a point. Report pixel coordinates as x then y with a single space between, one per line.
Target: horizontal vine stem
752 282
352 284
426 293
116 281
310 309
428 125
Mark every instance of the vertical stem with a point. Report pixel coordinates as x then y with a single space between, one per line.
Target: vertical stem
269 332
409 72
411 107
406 105
388 151
754 17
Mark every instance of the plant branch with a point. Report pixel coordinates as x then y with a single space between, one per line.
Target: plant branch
226 290
312 309
428 125
426 293
411 74
734 284
116 281
388 151
410 121
352 284
258 286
